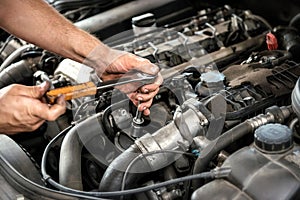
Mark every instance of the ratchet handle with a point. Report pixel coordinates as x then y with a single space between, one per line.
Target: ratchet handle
72 92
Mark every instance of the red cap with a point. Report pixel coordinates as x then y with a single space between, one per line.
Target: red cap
271 41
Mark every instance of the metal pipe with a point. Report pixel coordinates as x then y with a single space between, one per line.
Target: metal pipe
118 14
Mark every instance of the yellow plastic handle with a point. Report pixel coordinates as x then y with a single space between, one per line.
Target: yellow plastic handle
72 92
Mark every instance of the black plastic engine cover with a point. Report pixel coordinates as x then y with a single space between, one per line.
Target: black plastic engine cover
257 176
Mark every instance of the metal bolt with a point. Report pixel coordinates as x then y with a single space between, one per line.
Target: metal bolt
138 119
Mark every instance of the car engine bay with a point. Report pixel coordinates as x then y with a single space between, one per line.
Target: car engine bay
224 125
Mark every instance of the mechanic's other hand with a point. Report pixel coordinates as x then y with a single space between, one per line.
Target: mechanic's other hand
22 108
126 62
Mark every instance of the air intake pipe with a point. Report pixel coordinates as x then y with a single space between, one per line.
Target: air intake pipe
81 135
177 135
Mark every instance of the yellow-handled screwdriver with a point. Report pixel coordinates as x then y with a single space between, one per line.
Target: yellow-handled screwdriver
90 88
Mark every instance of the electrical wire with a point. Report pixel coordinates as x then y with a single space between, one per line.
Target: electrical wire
79 109
145 155
293 123
47 149
6 43
48 178
14 174
220 173
261 19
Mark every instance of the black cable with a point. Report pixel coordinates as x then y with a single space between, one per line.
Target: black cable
203 175
211 174
48 178
105 118
47 149
11 173
79 109
6 43
145 155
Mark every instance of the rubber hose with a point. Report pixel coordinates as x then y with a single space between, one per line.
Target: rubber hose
215 146
113 176
19 72
12 57
70 153
295 22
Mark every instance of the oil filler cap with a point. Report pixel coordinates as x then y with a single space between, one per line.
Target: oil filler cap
273 138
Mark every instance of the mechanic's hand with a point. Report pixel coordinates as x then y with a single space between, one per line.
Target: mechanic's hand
22 108
126 62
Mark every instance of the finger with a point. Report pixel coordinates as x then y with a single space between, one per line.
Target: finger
51 113
131 87
32 91
146 112
145 105
35 120
39 90
145 97
152 87
142 105
36 125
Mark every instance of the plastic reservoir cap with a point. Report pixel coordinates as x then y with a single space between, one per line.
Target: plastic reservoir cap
273 138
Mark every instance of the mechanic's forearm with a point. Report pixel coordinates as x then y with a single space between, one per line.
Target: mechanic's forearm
38 23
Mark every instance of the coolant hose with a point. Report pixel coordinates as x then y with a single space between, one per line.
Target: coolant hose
215 146
18 72
12 57
81 135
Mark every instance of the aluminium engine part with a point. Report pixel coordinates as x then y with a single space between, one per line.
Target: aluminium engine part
222 88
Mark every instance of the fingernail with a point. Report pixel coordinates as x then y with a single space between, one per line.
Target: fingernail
140 98
144 108
61 99
146 90
44 84
154 69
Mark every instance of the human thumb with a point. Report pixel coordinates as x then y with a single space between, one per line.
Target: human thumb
39 90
